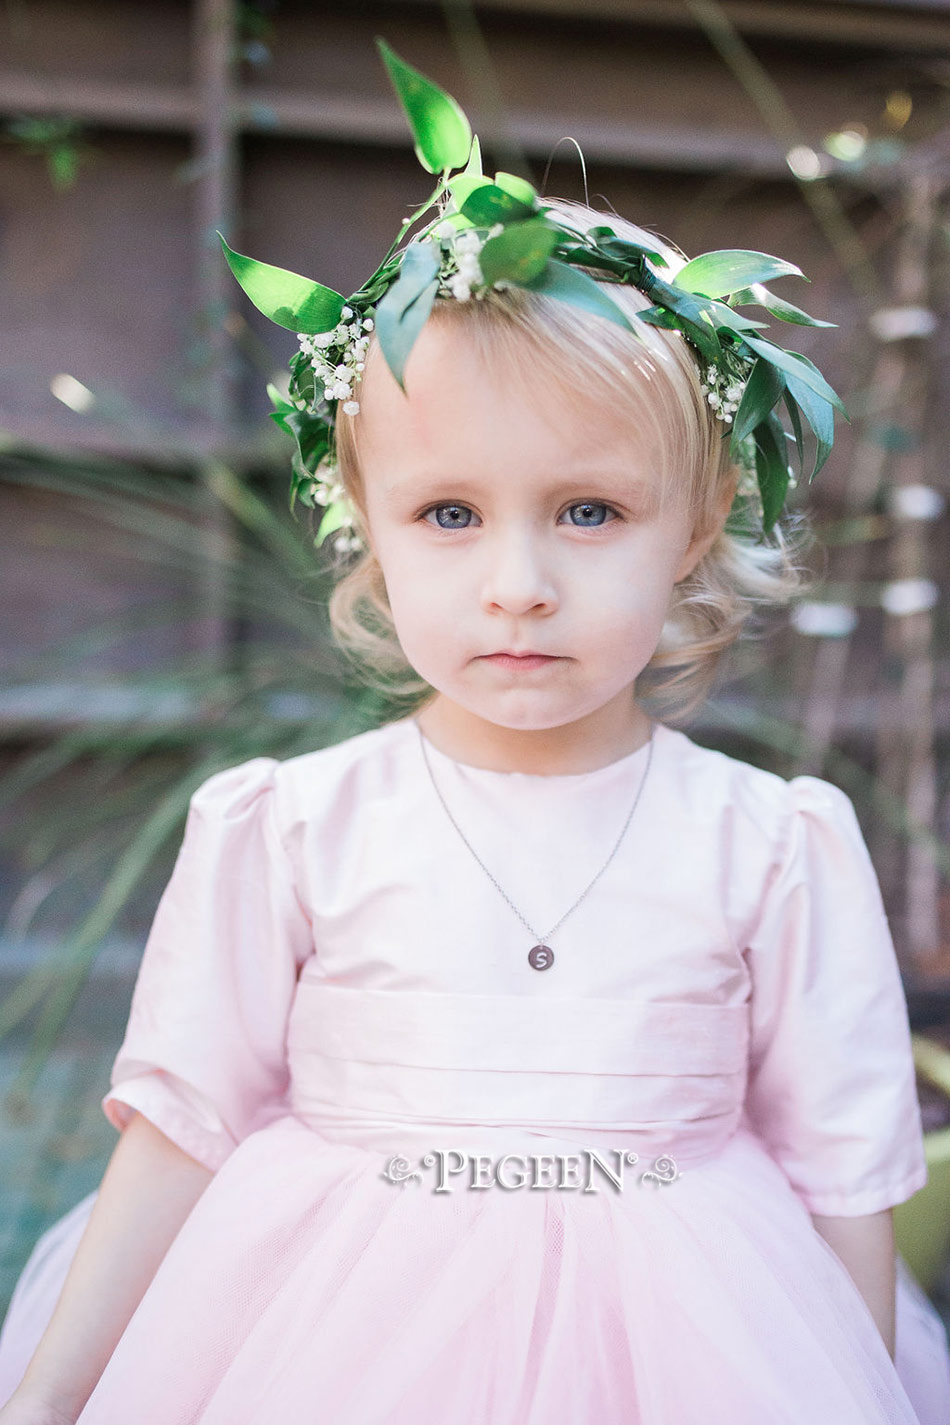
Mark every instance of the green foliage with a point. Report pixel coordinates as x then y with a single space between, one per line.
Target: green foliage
443 137
520 243
287 298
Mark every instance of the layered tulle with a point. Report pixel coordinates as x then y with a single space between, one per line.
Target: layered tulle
306 1286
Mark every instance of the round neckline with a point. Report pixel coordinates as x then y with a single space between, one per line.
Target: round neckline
619 764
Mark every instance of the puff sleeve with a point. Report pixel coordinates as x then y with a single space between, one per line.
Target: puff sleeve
831 1088
204 1054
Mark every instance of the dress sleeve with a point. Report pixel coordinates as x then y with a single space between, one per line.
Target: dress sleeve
831 1088
204 1054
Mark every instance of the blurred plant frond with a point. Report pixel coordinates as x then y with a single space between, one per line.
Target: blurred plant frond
133 745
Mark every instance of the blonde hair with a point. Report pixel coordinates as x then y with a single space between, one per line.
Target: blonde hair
654 375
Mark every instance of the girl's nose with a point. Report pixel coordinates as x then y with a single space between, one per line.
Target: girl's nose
518 577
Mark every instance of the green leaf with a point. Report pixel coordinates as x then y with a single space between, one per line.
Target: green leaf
519 188
311 434
402 312
488 204
560 280
715 274
420 263
763 390
442 133
695 311
332 520
303 380
581 256
519 253
279 402
628 251
795 416
463 185
725 317
468 180
287 298
702 336
771 468
793 364
819 415
758 296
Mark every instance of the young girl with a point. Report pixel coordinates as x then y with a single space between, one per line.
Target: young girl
519 1060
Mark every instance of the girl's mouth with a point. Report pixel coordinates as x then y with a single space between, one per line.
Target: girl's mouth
521 661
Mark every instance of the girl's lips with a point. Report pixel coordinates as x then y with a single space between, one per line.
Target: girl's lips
525 661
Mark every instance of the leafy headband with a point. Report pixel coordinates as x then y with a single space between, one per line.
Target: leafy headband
498 233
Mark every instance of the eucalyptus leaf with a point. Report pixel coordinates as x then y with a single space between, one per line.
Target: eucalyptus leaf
519 253
420 265
558 279
288 299
488 204
399 322
759 296
518 187
716 274
442 133
762 392
463 185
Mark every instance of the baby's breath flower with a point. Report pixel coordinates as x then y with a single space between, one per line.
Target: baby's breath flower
723 391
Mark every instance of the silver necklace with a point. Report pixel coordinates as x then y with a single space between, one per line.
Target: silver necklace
540 956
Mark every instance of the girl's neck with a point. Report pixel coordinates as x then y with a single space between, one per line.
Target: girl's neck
611 732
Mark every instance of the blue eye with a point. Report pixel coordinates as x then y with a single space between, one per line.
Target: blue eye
588 505
455 513
460 516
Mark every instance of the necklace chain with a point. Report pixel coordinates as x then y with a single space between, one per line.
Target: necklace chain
488 873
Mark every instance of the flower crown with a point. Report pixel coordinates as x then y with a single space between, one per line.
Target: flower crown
497 233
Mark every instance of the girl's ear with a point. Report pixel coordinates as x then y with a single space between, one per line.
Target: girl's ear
701 543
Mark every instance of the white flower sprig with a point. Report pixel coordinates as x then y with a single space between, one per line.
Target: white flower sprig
338 357
723 390
327 490
460 273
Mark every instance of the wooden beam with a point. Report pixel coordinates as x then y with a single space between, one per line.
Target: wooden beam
171 445
154 108
918 26
378 122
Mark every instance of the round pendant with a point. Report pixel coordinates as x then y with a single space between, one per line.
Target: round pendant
540 957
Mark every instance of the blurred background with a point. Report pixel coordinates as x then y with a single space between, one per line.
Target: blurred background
163 612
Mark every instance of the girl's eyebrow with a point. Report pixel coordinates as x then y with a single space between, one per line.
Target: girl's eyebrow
606 478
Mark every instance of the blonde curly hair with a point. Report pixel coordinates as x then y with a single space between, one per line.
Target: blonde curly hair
655 376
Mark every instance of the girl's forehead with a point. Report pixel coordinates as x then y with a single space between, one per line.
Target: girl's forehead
459 399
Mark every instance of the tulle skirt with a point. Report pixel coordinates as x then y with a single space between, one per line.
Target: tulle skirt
306 1287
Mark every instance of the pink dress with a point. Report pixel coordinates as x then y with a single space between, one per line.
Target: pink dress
450 1188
